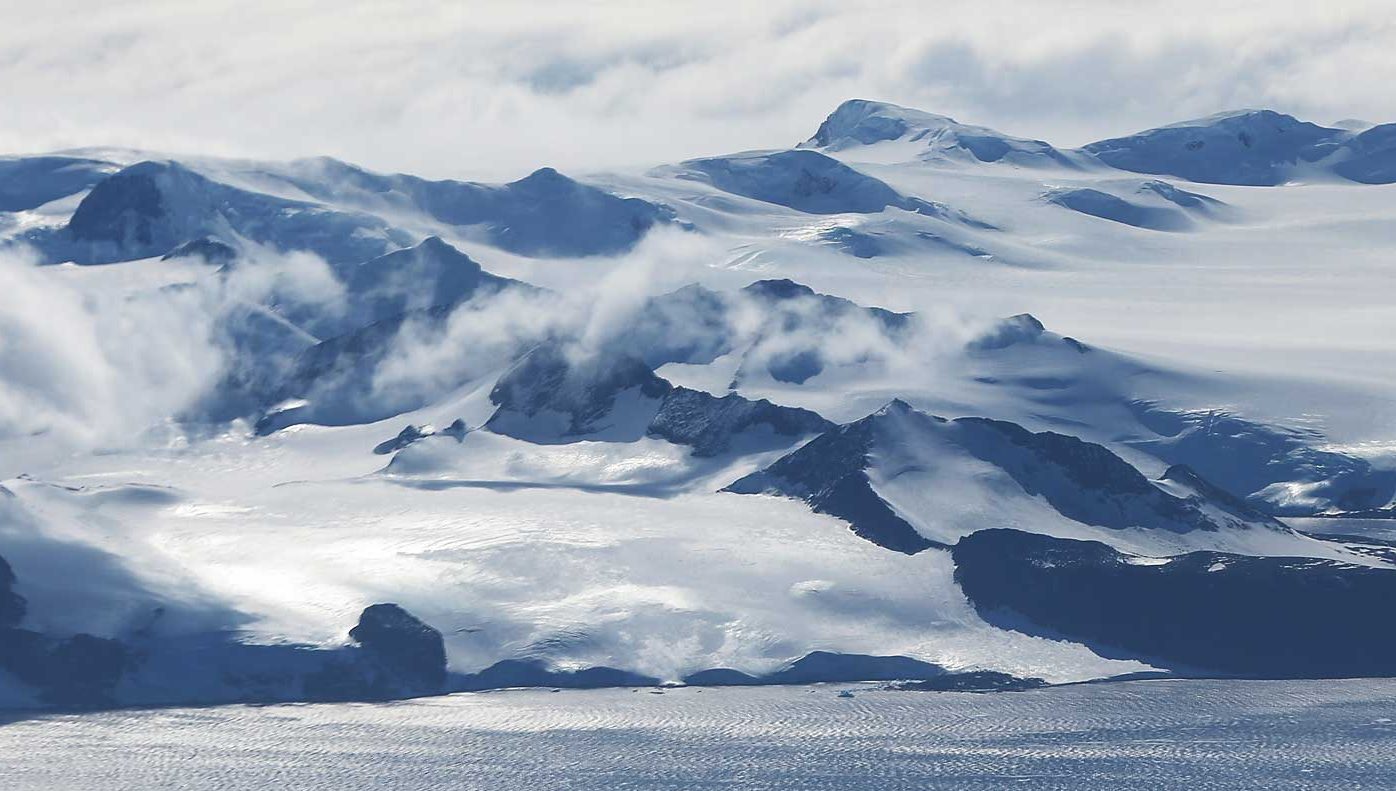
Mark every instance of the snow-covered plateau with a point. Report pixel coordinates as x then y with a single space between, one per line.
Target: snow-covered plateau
910 400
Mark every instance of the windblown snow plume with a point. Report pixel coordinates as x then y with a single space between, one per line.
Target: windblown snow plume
99 366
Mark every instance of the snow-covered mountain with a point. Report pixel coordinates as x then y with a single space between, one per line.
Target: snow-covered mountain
1253 147
543 214
809 182
150 208
1244 147
30 182
315 432
910 481
1155 205
931 137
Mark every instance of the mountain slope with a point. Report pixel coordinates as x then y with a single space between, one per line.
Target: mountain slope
433 274
1249 147
1154 205
549 397
908 481
150 208
543 214
30 182
810 182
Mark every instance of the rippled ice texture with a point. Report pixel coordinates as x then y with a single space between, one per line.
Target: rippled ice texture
1193 734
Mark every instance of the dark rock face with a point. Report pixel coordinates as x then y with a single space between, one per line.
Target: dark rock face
1233 614
210 250
1188 478
547 386
583 392
84 669
406 437
122 208
824 666
829 473
531 673
402 644
1082 480
77 670
457 430
708 423
1022 328
818 666
12 605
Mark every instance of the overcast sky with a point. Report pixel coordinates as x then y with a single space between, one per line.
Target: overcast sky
494 90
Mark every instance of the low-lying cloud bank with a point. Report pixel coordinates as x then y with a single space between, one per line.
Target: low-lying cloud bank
90 360
494 90
104 356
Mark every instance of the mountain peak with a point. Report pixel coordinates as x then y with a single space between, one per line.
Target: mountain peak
544 176
1243 116
864 122
896 407
860 122
780 288
436 244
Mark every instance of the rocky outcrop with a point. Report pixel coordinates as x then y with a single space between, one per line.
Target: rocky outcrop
829 473
407 436
1202 612
549 397
77 670
710 424
402 645
840 471
12 605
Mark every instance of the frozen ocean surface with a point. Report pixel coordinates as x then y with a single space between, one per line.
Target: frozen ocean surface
1155 734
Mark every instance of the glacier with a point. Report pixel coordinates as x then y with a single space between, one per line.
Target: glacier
911 399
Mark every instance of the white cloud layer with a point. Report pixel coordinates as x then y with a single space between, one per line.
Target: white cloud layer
493 90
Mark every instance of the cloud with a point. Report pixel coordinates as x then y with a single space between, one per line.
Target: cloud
92 358
427 359
97 366
493 90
